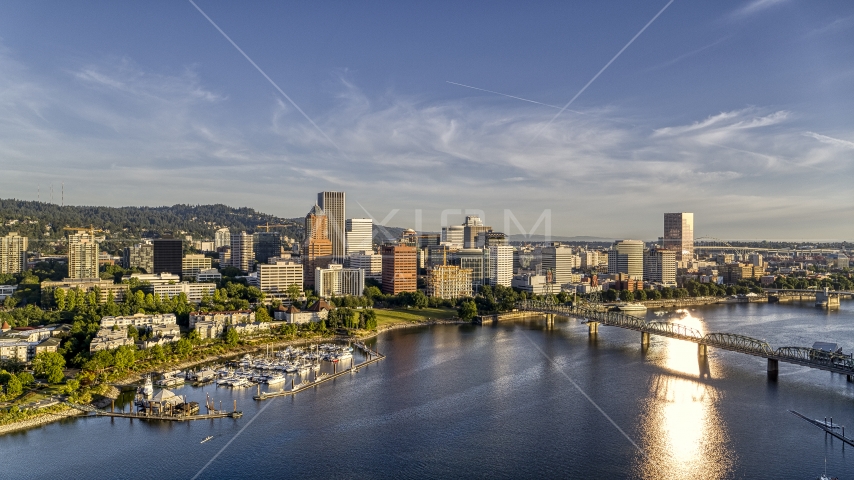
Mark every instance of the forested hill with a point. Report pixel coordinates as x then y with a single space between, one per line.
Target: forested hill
39 220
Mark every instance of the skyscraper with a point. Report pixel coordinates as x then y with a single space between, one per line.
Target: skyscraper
626 256
471 228
242 251
500 265
359 235
267 245
13 251
317 248
82 256
222 238
168 256
679 234
659 265
332 203
400 269
559 261
140 256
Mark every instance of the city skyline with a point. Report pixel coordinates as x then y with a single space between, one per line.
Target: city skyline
737 111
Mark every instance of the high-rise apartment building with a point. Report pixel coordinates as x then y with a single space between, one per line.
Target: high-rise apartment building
242 251
13 253
559 261
82 256
500 265
659 265
277 277
168 256
333 203
139 256
679 235
626 256
266 245
400 269
317 248
337 281
589 259
359 235
449 282
222 238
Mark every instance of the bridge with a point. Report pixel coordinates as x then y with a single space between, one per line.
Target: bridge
824 297
804 356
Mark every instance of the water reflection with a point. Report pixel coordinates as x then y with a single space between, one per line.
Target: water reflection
684 436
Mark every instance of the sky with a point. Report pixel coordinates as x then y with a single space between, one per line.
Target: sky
594 118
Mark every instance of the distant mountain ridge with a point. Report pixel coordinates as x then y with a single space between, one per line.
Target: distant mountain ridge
557 238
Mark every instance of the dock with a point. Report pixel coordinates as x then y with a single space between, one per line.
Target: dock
171 418
828 428
373 357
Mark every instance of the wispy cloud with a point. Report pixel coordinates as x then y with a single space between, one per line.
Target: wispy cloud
757 6
836 142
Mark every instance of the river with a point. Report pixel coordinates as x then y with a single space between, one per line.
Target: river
517 399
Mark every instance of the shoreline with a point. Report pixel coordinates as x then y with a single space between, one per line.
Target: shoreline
40 420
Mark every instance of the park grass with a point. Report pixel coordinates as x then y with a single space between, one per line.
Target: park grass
395 316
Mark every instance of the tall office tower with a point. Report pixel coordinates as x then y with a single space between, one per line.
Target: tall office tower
453 234
222 238
559 261
359 235
679 234
490 238
13 253
477 260
500 265
333 204
317 248
400 269
473 226
368 261
139 256
168 256
242 251
82 256
626 256
266 245
659 265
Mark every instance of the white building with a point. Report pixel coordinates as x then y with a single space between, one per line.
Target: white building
107 339
626 256
501 265
140 320
156 278
337 281
13 253
274 279
559 262
209 275
222 238
82 256
589 259
535 284
359 235
659 266
191 265
242 251
368 261
453 235
193 291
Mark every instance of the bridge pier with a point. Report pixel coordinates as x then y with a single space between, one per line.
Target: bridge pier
592 328
850 378
773 368
701 350
644 339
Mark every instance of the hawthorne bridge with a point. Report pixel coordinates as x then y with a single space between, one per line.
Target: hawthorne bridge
805 356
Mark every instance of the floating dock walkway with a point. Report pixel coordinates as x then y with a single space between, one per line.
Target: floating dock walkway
171 418
828 428
373 357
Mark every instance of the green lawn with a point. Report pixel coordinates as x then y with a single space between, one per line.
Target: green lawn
408 315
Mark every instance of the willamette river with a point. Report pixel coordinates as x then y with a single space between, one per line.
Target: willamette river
502 401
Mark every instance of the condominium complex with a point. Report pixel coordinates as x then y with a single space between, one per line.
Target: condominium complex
337 281
359 235
659 265
82 256
449 281
679 234
242 251
400 269
193 291
276 278
192 265
626 256
317 248
368 261
13 253
500 265
222 238
139 256
104 288
333 203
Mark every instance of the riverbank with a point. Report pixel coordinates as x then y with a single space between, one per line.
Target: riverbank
40 419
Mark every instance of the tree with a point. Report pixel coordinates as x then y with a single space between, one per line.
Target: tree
49 365
230 337
467 310
261 314
124 357
626 295
184 347
26 378
14 387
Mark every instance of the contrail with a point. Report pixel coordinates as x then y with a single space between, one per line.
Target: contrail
600 71
509 96
267 77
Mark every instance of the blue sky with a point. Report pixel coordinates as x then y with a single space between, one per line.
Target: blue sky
740 112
